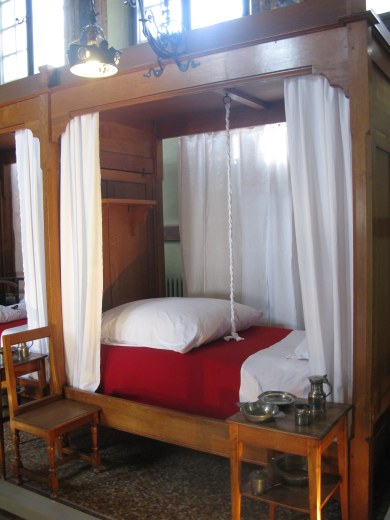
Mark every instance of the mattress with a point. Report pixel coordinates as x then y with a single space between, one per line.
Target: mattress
204 381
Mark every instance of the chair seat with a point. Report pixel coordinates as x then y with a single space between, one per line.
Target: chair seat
56 415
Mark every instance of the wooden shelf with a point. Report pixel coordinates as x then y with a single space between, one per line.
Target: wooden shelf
137 209
130 202
294 497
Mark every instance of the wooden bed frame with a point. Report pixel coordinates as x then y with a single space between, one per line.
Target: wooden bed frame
253 54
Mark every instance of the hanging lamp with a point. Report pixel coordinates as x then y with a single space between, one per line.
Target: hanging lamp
233 334
91 56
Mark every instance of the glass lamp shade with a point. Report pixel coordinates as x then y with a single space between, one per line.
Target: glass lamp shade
92 61
91 56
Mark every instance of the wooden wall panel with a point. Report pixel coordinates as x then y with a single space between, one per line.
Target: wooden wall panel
126 139
7 243
380 362
380 96
132 185
381 276
125 162
131 260
126 256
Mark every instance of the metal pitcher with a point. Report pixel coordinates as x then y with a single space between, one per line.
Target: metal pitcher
23 350
317 396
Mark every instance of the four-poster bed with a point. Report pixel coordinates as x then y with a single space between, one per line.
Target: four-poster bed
251 57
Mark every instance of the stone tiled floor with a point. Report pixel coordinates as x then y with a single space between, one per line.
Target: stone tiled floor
141 479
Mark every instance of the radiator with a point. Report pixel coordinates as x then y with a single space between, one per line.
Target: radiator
174 287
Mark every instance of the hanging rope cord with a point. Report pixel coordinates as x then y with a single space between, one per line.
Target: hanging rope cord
233 334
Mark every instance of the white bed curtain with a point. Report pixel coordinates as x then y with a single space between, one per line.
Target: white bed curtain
29 175
81 250
321 176
265 264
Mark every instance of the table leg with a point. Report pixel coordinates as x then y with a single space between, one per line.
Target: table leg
236 449
342 451
314 471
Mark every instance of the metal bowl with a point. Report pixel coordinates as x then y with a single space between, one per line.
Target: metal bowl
292 469
258 412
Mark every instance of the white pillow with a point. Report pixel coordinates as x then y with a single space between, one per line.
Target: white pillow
178 324
12 313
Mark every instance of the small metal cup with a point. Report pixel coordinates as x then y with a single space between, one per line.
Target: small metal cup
23 351
258 482
302 414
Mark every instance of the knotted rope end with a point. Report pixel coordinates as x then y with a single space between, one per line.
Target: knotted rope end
233 335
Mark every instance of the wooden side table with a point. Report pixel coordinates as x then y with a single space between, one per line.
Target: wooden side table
33 363
282 434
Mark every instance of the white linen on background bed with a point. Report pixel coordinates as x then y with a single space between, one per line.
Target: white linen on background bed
283 367
13 312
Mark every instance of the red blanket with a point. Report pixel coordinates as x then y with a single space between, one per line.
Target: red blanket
205 381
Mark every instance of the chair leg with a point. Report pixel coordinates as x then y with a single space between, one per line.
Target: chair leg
17 459
95 448
53 478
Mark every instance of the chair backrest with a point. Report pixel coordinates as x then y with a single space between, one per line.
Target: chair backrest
12 366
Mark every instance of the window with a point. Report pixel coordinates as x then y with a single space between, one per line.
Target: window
13 40
193 14
31 35
204 12
48 31
379 6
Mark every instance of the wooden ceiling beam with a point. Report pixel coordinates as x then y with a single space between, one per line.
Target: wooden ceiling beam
246 99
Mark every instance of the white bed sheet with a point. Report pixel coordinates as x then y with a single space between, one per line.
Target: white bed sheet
276 368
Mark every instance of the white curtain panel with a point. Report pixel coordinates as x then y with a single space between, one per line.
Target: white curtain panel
29 175
81 250
264 252
321 176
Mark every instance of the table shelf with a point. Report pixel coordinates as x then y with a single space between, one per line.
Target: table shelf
294 497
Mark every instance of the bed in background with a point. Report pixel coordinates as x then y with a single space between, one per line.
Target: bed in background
12 316
9 291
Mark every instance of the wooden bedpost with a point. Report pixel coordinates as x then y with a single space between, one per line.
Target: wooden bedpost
50 170
369 85
360 489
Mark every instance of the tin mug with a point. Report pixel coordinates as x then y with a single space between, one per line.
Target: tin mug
258 481
23 351
302 414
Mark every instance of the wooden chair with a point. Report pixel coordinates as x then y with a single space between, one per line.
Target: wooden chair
51 417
